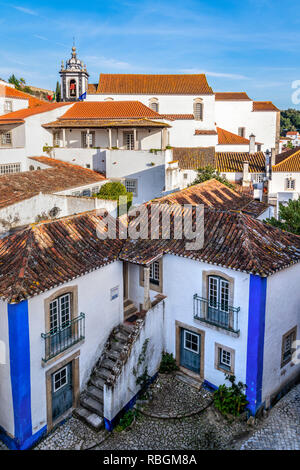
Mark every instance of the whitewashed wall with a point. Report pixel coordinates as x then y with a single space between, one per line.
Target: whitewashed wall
16 104
277 183
125 388
6 403
282 314
187 274
102 315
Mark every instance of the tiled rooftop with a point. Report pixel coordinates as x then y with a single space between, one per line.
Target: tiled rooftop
229 138
59 177
109 110
213 193
205 132
232 96
291 162
153 84
104 123
9 92
48 254
24 113
264 106
229 162
192 158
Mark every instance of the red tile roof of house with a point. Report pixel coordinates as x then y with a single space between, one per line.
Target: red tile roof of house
213 193
290 164
60 176
190 158
92 88
110 110
24 113
232 96
153 84
10 92
49 254
182 117
205 132
264 106
232 162
229 138
232 240
292 133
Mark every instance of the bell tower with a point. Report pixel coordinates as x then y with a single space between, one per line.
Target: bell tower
74 78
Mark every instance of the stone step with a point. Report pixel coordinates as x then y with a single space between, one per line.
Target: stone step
121 337
127 329
127 302
103 373
112 354
92 419
117 346
108 364
97 382
189 380
95 393
92 405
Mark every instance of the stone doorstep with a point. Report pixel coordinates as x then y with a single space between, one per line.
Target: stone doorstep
95 393
186 379
93 420
92 405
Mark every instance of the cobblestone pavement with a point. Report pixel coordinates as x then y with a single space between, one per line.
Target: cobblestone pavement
281 429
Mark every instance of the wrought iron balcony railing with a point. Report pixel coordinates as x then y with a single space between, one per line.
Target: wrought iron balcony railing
60 339
217 313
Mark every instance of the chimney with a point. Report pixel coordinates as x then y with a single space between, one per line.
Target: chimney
252 144
246 181
273 157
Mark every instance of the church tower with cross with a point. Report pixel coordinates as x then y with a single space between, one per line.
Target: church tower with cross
74 78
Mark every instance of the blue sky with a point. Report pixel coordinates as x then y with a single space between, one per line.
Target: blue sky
250 46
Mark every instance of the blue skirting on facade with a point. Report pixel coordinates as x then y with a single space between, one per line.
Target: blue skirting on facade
255 343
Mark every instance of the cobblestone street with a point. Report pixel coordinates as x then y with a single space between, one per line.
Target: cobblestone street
156 427
281 429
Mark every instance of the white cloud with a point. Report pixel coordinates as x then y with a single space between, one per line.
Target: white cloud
216 74
27 11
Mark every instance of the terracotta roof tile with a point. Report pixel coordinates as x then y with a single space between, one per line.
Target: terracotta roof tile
153 84
227 162
92 88
181 117
24 113
110 110
213 193
104 123
288 163
192 158
204 132
60 176
229 138
232 96
264 106
233 240
10 92
49 254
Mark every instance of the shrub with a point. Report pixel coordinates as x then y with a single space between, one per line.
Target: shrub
113 191
126 421
230 400
168 363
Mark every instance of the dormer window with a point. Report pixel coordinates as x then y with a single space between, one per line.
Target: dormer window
154 105
198 109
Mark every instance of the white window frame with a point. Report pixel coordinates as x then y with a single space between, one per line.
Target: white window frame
185 333
133 183
128 137
154 274
57 317
8 107
4 139
242 131
221 284
59 372
9 168
290 184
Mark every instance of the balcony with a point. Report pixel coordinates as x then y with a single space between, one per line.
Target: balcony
63 338
218 314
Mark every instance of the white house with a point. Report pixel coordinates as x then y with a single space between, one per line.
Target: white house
51 189
12 99
284 183
193 107
219 309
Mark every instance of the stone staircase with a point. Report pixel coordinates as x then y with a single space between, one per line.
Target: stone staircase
91 400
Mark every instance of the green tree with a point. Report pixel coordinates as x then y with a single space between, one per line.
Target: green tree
289 217
209 172
14 81
289 120
58 92
113 191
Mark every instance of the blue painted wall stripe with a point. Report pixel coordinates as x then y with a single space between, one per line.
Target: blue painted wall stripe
255 343
19 350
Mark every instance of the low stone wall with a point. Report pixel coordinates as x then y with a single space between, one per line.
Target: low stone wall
145 347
